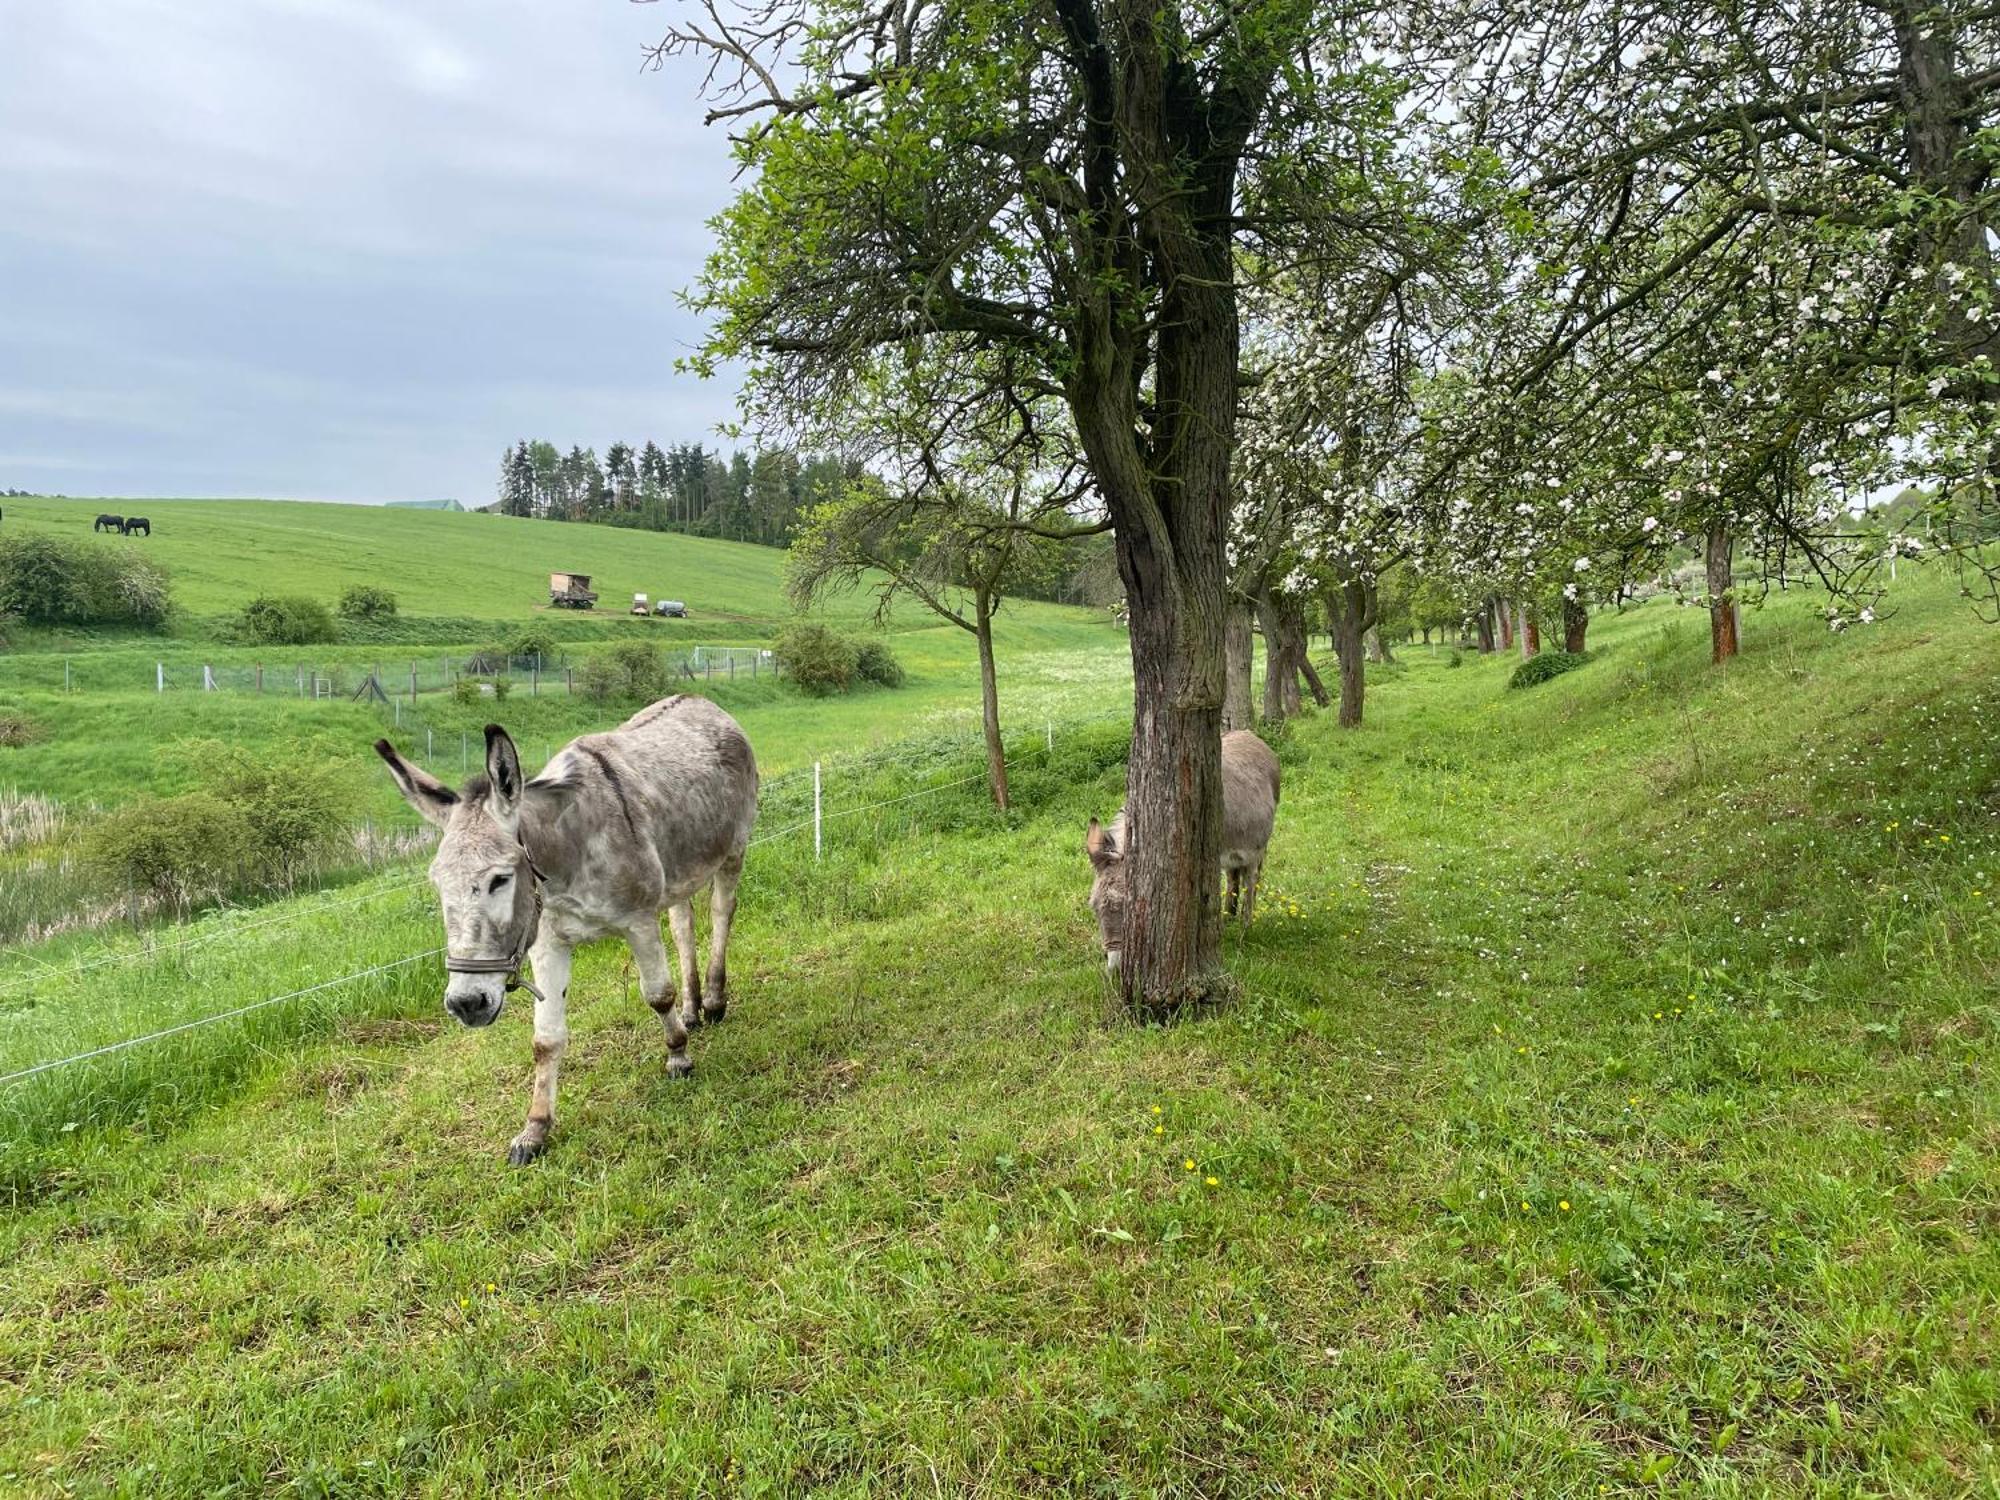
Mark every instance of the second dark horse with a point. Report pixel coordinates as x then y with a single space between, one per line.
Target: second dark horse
108 523
137 523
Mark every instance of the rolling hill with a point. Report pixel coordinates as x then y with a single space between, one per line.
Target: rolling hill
467 565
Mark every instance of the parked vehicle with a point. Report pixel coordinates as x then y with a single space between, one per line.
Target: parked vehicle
671 609
639 605
570 591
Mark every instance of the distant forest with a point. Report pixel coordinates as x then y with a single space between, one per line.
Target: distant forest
748 497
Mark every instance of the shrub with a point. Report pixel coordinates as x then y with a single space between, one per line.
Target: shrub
1548 664
293 810
630 669
364 601
875 662
18 729
820 662
469 690
285 620
48 580
534 642
174 848
1455 659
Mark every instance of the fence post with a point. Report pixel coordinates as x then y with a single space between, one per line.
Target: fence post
732 666
260 677
427 747
816 844
397 704
65 674
159 677
535 680
569 680
302 679
413 684
1052 735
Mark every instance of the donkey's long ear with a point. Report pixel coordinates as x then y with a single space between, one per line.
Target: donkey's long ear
1099 845
420 789
503 768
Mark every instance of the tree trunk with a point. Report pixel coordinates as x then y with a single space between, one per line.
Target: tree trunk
1377 645
1722 622
1576 621
1505 611
1348 609
1239 652
989 701
1284 650
1311 675
1484 625
1528 631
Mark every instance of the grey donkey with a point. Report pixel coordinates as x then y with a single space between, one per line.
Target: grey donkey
617 828
1249 808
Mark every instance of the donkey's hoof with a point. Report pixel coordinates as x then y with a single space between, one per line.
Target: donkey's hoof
680 1065
713 1011
690 1015
523 1151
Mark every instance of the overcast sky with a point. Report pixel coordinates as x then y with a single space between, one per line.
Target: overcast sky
341 249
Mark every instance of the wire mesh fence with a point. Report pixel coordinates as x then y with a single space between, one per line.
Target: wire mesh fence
387 677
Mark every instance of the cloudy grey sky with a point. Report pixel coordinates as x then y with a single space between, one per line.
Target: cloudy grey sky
341 249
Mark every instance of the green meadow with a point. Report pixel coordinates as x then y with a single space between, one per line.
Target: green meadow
465 565
1610 1109
465 581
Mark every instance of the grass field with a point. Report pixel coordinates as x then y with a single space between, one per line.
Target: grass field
464 581
1611 1110
439 563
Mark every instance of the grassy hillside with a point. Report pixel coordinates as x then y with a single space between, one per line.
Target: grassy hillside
464 581
1612 1109
465 565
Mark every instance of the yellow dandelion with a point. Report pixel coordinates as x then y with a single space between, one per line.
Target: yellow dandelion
1657 1015
1156 1109
1213 1181
1520 1049
1524 1207
1944 838
463 1303
1564 1205
1189 1163
1159 1130
491 1288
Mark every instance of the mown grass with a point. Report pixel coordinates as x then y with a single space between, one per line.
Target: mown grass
1610 1110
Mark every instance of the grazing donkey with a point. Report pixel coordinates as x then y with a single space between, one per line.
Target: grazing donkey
617 828
108 522
1249 808
136 523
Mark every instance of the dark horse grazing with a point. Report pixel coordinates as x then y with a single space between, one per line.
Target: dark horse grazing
108 523
136 523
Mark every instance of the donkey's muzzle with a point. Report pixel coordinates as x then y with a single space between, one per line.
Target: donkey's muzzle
474 1008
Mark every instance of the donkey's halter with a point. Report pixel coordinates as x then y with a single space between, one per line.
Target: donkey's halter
511 965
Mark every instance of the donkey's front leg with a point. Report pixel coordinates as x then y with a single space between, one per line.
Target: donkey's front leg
550 962
656 983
